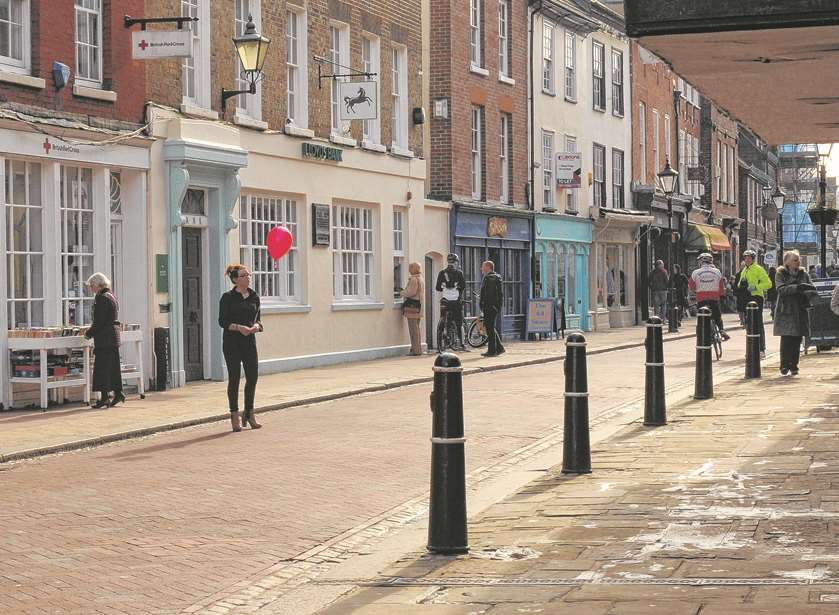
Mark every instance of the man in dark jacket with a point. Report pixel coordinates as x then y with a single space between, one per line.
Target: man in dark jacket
659 283
492 296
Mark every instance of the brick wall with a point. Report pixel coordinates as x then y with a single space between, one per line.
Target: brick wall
53 38
452 80
717 127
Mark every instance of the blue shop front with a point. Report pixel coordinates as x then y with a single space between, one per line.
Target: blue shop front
563 245
501 235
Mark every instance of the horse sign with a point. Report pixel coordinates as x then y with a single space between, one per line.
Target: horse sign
358 100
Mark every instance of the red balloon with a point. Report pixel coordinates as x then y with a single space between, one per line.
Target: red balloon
278 242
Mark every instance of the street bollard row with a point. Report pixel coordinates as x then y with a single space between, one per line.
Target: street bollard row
752 341
704 379
655 408
576 449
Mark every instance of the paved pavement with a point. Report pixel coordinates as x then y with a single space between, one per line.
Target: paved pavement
30 433
204 520
731 508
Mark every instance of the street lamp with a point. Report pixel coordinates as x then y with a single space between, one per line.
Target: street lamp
821 214
778 198
668 178
251 48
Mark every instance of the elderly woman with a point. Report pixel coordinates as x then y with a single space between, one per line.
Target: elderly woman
795 292
413 295
104 330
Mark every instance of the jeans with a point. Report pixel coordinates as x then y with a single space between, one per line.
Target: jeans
790 351
715 311
238 354
660 304
491 324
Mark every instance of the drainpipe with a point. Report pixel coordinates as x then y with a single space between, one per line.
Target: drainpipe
532 128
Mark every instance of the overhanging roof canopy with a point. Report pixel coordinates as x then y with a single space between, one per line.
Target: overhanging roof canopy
704 237
770 64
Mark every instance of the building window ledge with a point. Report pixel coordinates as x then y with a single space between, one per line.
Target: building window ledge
359 306
478 70
97 94
25 80
505 79
280 308
294 130
373 147
249 122
571 100
402 153
339 140
548 92
196 111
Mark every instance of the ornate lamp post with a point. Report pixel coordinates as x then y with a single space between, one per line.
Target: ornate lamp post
252 49
822 215
778 197
668 178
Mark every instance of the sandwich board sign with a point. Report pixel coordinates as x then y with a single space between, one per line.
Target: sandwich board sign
152 44
358 100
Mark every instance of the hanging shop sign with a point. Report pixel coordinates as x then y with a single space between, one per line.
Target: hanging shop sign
152 44
497 227
540 316
359 100
320 225
322 152
569 169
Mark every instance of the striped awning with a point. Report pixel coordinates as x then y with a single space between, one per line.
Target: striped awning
704 237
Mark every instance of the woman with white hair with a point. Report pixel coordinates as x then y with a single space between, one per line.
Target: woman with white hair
105 330
795 293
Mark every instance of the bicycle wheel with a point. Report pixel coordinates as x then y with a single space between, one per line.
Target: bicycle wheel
475 338
717 344
443 342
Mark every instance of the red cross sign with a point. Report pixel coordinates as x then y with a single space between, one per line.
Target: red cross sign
143 44
47 146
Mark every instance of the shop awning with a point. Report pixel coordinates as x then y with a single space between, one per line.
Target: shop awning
704 237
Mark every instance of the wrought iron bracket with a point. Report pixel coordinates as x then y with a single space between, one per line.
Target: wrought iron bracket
129 21
319 60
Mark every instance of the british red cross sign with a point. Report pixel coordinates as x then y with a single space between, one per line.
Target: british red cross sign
151 44
47 146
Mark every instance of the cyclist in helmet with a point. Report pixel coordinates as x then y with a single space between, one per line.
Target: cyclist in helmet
451 283
757 282
709 285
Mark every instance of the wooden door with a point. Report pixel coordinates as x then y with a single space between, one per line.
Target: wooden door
193 305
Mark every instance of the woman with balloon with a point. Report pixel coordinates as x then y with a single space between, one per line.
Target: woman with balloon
239 317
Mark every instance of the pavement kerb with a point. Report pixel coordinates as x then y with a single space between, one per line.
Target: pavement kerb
147 431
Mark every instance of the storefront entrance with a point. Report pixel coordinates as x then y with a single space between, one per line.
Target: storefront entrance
193 305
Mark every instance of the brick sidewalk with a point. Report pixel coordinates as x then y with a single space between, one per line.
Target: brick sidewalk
31 433
732 508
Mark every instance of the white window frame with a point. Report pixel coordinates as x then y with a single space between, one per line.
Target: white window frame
504 38
505 157
618 90
354 241
656 142
570 66
548 179
599 176
9 63
732 176
248 105
642 139
571 202
117 243
339 54
297 75
87 10
718 179
400 249
278 282
598 75
477 144
399 99
476 34
80 205
370 62
668 154
200 61
682 175
618 178
548 55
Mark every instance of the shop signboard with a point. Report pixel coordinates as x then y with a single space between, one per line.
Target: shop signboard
770 259
569 169
320 225
540 316
358 100
152 44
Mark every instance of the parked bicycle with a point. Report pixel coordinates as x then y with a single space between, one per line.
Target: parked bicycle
474 331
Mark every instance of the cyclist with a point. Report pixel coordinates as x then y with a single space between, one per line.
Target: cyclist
757 282
451 283
709 285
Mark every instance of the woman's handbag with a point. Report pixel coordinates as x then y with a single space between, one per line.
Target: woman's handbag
411 306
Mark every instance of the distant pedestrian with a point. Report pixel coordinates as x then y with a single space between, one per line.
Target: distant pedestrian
772 293
105 332
239 317
795 292
757 282
659 283
492 298
680 288
412 298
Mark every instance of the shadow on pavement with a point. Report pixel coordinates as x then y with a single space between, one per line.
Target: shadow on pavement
145 451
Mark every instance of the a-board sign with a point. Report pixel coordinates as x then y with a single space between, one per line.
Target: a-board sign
540 316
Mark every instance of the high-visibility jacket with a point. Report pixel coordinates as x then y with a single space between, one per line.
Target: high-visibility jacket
757 278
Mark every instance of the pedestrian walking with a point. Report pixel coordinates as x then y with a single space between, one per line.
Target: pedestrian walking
680 288
412 297
659 283
239 317
757 282
492 296
105 332
792 322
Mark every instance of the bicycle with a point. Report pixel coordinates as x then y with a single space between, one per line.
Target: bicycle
716 339
474 332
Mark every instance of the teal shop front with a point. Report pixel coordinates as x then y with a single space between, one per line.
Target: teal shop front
562 248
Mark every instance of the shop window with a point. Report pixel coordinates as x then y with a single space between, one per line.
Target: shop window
339 55
195 70
399 98
617 83
14 35
614 274
370 64
400 236
116 226
248 105
570 66
504 38
599 176
76 204
89 42
275 281
548 57
598 59
24 244
476 36
354 257
297 88
548 170
617 179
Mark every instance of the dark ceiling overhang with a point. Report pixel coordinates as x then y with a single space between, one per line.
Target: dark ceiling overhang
772 65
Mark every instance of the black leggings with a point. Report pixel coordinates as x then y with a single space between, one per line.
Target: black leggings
714 306
238 354
790 351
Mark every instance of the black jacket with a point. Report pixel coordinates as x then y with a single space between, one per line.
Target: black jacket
451 278
492 292
105 327
233 308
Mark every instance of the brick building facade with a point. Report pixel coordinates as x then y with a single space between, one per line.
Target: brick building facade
758 169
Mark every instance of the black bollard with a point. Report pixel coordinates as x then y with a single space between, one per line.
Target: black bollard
576 451
704 386
752 340
655 408
447 507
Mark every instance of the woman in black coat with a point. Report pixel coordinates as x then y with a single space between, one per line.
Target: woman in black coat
105 332
795 292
